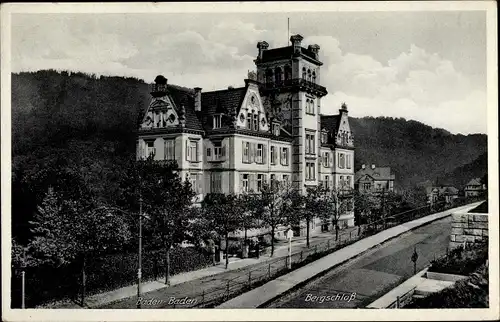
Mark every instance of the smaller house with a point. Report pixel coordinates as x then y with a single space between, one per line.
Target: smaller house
374 179
446 193
474 188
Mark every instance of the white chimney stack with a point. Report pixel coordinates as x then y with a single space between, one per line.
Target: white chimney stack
197 99
363 166
373 166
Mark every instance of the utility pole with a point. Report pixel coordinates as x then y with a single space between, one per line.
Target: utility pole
139 269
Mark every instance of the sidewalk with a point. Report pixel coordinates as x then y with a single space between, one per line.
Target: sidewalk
281 249
274 288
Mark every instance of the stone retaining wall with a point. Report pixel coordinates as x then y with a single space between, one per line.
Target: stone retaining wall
468 228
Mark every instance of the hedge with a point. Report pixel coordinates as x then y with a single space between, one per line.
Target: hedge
47 284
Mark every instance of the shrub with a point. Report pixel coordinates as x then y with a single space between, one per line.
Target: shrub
461 261
470 293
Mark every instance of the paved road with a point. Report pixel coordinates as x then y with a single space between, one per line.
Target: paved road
213 285
373 274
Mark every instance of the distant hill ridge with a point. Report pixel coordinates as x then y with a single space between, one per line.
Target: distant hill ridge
96 117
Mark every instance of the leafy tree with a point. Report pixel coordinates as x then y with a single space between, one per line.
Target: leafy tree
366 205
339 200
314 203
166 201
66 230
275 206
223 213
249 216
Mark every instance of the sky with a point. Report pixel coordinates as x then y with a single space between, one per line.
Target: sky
428 66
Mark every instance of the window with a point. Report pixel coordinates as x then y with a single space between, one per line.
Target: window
348 161
288 72
348 181
304 73
260 181
246 152
273 154
314 77
260 153
195 181
310 171
341 160
310 144
192 151
249 121
327 182
367 186
310 106
273 180
219 151
309 78
276 129
151 150
217 121
341 181
269 76
286 178
324 137
255 122
379 186
169 149
277 74
326 159
244 183
284 156
209 153
216 182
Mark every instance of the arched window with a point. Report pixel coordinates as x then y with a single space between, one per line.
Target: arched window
269 76
314 77
309 75
277 75
304 73
288 72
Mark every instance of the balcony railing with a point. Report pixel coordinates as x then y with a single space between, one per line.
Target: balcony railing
295 82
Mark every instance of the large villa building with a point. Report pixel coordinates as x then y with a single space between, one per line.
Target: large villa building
236 139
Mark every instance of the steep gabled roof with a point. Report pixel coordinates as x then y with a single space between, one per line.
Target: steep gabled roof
184 96
226 101
474 182
379 173
331 123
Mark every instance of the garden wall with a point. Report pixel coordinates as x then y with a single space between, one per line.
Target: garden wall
469 228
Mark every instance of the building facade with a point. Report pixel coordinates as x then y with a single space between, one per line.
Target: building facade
237 139
474 188
374 179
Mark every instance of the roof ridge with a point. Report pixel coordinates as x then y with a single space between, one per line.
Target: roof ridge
224 90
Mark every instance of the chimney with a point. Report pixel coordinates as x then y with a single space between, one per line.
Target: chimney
262 46
296 40
314 49
197 99
373 167
363 166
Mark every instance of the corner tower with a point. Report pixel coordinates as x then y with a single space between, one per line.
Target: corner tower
290 79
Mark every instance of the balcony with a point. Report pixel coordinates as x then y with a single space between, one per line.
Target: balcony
301 83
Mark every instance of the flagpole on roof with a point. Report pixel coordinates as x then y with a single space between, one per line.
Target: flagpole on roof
288 35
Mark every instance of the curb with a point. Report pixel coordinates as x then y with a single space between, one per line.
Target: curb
326 270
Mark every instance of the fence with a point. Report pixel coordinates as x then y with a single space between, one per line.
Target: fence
258 274
44 286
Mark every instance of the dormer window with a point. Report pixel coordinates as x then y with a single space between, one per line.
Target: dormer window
217 121
324 137
255 122
276 129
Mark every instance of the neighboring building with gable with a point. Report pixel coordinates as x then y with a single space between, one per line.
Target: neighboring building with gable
474 188
237 139
445 193
374 179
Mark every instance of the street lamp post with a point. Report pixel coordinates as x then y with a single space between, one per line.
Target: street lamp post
23 279
139 269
